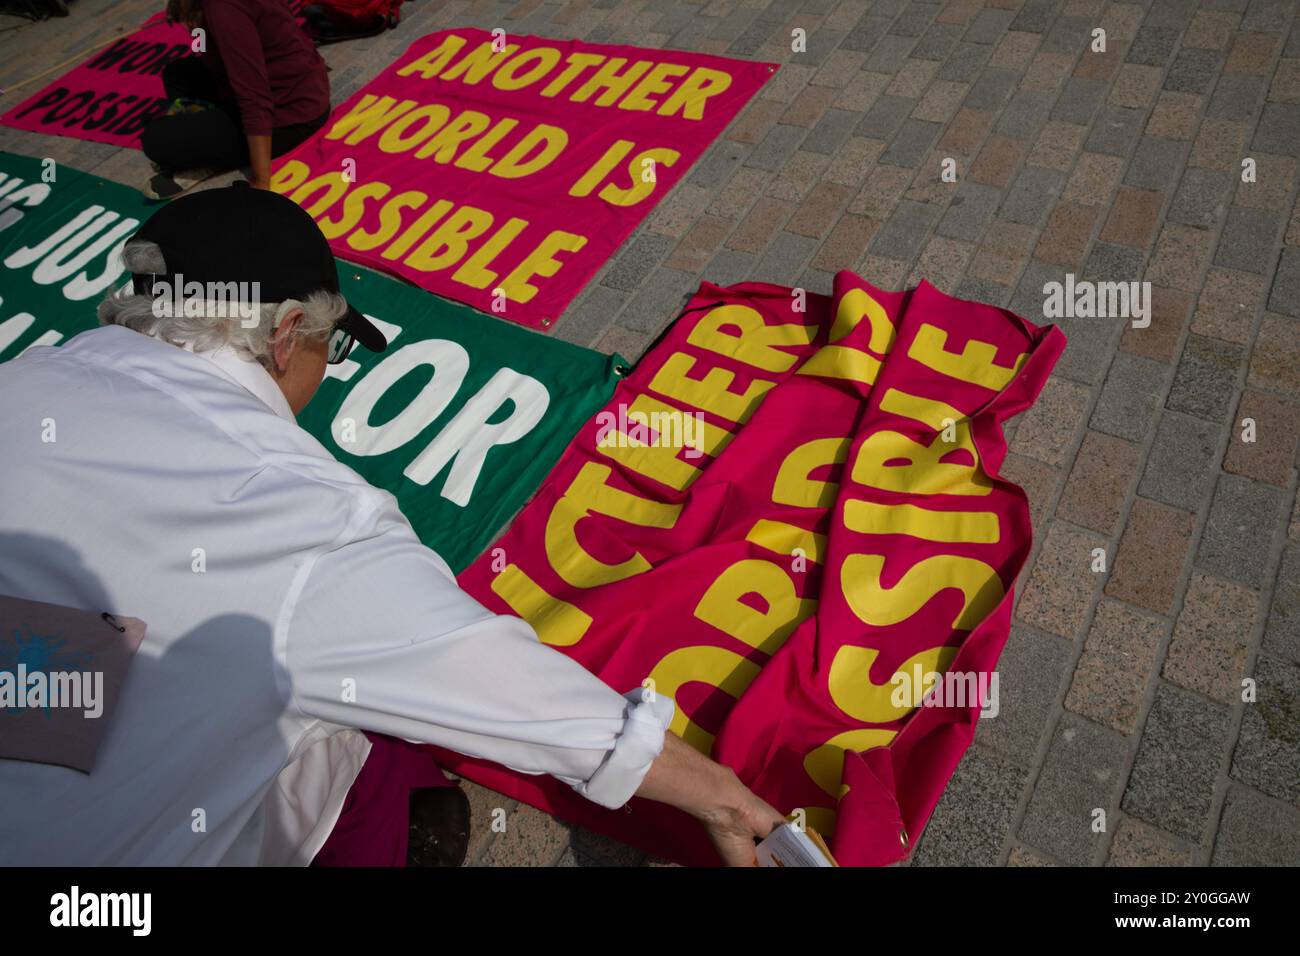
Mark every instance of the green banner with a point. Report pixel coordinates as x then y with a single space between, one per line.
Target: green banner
460 418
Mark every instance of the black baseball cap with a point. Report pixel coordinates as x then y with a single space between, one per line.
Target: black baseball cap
241 234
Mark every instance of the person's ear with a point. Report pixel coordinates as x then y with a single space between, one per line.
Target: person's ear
284 339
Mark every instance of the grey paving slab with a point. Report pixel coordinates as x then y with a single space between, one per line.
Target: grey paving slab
975 815
972 208
1282 632
1248 240
1032 195
1180 467
1026 114
1130 398
1205 382
1079 100
1081 775
1244 515
1202 198
1172 781
1156 163
1153 45
902 236
1285 295
1031 670
1268 751
1257 831
1193 71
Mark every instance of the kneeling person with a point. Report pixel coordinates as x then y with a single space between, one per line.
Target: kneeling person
257 91
318 614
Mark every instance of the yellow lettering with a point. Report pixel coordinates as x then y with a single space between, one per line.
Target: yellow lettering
451 239
825 766
857 305
854 692
516 164
659 457
694 90
952 527
597 173
715 666
847 362
540 262
354 207
974 364
477 64
476 157
794 487
556 622
756 344
577 62
880 606
474 272
443 144
430 118
641 186
430 64
767 630
367 117
334 185
390 220
655 83
892 461
609 79
289 176
709 393
589 493
927 411
423 224
508 78
783 538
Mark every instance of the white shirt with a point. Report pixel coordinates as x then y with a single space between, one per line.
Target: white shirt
286 601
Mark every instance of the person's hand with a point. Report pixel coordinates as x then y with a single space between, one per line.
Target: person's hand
733 828
259 183
712 793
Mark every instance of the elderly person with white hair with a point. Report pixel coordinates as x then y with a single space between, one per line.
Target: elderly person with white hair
314 612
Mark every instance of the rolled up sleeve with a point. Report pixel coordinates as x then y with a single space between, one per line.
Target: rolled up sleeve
641 741
380 637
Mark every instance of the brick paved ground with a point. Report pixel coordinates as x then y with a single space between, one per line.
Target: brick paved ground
1121 691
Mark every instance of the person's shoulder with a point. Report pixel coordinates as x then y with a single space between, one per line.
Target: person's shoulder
287 446
203 406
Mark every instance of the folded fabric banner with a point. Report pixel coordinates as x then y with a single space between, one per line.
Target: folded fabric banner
112 96
502 171
790 519
460 418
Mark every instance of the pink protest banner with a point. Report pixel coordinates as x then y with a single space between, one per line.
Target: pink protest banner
112 96
789 519
503 171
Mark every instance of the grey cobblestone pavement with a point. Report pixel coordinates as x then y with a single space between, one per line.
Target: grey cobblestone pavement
1121 691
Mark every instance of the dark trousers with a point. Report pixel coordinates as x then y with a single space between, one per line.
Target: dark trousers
213 138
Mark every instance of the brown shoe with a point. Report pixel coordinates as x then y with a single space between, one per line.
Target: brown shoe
439 828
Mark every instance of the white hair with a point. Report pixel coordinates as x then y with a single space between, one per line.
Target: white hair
217 327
